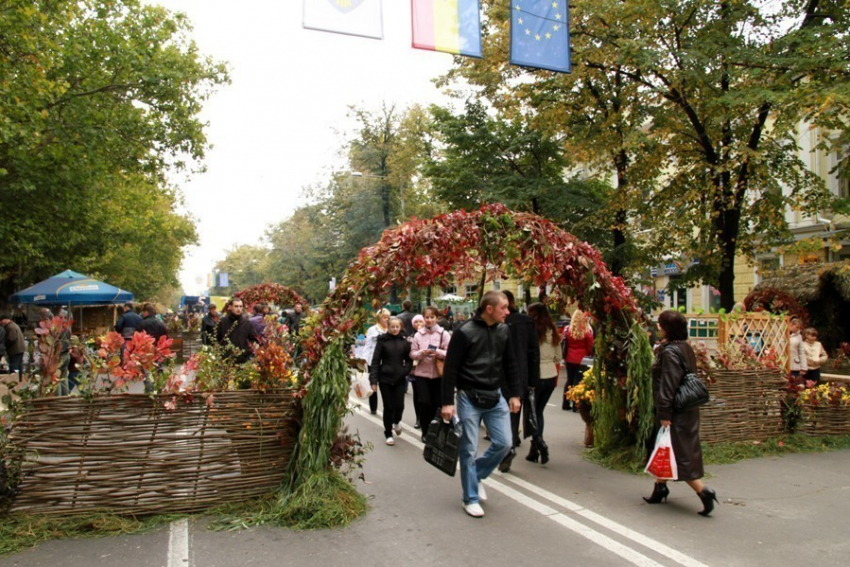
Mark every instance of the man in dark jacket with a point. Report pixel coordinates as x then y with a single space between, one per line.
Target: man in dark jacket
16 346
479 357
406 318
527 353
237 330
293 320
129 321
150 324
209 324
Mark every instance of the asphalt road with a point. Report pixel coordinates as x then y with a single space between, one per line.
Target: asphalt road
789 510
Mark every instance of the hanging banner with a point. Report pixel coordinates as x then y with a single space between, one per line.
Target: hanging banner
540 35
223 279
362 18
450 26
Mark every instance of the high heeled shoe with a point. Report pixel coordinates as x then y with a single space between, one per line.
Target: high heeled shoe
544 451
708 497
659 493
533 453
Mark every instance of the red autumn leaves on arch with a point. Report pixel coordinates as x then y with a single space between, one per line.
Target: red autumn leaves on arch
459 246
280 295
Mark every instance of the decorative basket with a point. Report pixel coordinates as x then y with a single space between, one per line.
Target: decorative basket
745 405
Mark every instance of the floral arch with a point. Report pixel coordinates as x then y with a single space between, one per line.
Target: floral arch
276 293
462 245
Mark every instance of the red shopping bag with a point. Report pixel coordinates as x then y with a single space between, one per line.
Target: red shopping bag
662 462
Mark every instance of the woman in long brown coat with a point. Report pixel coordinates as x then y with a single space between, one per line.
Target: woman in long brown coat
667 373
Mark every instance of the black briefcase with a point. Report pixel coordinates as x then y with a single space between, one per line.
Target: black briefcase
442 444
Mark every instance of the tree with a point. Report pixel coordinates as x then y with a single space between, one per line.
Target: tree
245 265
720 89
99 100
486 159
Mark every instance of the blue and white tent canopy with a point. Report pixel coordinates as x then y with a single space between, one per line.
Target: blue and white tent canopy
71 288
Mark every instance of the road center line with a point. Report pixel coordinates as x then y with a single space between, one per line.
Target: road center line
585 531
178 544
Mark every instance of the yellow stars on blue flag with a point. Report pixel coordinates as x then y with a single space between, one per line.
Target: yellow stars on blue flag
540 34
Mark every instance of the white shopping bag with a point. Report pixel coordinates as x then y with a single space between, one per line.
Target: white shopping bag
360 384
662 462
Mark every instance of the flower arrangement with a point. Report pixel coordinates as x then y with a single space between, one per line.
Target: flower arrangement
830 394
740 355
585 391
774 300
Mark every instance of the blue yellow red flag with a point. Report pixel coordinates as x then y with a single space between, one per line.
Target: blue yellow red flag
352 17
450 26
540 34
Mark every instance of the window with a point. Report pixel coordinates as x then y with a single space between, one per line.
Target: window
470 291
450 289
497 285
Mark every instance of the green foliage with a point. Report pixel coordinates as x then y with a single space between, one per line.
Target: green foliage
99 100
641 407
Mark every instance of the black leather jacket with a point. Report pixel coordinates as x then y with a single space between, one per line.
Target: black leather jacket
391 361
480 356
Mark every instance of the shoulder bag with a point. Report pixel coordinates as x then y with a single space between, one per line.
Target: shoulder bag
692 392
440 363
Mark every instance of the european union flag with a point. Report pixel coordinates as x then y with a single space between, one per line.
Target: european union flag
540 34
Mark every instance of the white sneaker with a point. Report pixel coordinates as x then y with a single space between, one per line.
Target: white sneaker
390 441
474 509
397 428
482 494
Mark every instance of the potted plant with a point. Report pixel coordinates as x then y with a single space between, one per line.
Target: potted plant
825 409
583 395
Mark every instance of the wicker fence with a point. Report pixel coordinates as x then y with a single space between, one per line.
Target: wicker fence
824 420
745 405
130 455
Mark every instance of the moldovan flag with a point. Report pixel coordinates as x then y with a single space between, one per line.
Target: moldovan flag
450 26
540 35
352 17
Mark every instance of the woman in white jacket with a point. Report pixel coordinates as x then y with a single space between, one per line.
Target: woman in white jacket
382 319
799 365
550 356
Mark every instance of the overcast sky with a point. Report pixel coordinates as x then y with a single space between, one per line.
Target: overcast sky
273 128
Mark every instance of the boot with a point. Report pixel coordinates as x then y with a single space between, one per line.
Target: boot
708 497
544 451
533 453
505 465
659 493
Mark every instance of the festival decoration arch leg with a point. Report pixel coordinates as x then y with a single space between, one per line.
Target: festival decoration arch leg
460 245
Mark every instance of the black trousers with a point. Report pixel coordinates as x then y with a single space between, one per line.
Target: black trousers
542 394
429 392
393 397
516 418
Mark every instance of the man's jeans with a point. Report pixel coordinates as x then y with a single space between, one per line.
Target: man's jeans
498 423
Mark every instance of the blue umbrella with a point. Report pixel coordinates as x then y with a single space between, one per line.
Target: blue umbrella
71 288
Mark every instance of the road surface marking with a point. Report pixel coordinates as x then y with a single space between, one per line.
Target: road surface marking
178 544
585 531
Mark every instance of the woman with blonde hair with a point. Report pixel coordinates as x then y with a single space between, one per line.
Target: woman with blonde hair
577 343
382 319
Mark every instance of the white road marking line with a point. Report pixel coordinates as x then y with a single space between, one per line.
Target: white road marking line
178 544
637 537
581 529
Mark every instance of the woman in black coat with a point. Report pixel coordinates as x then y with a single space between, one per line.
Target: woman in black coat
669 368
390 366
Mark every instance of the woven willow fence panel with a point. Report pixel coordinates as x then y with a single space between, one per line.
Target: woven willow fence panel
745 405
129 455
825 420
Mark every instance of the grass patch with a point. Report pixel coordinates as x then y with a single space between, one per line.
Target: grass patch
626 459
22 531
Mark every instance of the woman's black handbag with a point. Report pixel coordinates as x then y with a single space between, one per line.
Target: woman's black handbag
692 392
442 444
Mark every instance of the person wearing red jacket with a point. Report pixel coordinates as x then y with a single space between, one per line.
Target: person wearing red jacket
577 343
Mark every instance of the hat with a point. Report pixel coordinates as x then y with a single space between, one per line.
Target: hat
418 318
